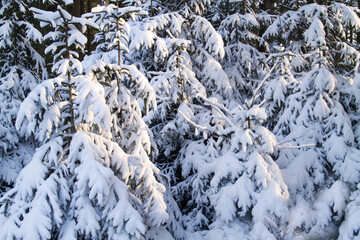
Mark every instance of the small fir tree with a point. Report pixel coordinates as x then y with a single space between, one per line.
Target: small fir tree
230 180
80 183
21 69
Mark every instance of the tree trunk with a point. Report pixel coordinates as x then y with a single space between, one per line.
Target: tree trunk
151 8
358 33
69 82
268 5
243 10
77 8
89 32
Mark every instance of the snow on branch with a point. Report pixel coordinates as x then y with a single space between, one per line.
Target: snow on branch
205 32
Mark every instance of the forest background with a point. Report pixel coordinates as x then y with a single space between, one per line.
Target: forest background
189 119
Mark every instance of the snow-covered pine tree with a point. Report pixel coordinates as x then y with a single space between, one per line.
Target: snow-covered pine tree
240 28
319 177
351 102
349 229
279 86
186 49
289 29
133 92
178 56
79 183
317 113
127 91
177 88
182 86
21 68
156 36
234 188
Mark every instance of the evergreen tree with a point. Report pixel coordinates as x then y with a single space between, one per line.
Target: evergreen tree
349 229
313 114
232 185
183 67
204 89
292 28
186 49
240 25
280 85
21 69
243 61
316 112
79 183
127 91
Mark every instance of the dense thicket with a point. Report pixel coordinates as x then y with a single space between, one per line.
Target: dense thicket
213 119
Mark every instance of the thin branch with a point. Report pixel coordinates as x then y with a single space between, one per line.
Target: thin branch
196 125
262 83
297 147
